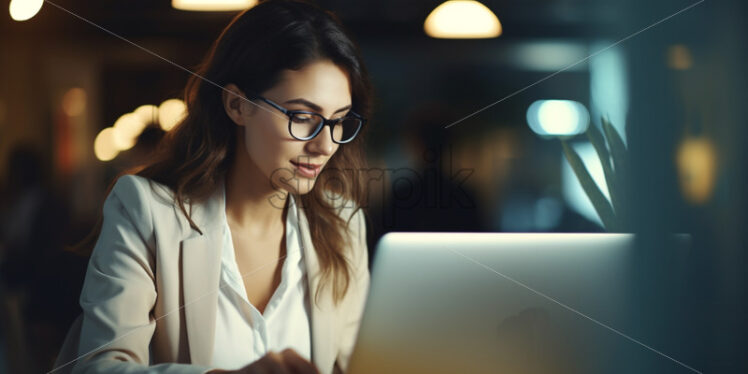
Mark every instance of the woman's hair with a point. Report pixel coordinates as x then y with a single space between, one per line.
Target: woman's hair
251 52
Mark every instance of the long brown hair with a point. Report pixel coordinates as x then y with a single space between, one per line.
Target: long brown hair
252 51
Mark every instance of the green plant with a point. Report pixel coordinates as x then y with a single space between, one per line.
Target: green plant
612 153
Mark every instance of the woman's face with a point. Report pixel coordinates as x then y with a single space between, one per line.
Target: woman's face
320 87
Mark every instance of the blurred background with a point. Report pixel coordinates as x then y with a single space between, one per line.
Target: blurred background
472 102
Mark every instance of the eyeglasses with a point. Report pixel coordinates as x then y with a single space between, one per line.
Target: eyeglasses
304 125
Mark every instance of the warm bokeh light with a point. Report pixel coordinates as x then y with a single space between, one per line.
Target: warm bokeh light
679 57
696 158
127 128
74 102
147 113
558 117
462 19
170 112
22 10
104 145
212 5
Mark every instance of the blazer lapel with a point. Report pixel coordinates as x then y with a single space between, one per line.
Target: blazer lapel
322 308
200 279
201 269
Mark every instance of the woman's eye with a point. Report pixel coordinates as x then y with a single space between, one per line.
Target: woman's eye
303 118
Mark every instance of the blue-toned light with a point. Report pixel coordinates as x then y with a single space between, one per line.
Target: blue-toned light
609 92
558 117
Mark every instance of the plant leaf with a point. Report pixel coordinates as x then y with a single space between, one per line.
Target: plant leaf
617 147
597 140
601 204
620 165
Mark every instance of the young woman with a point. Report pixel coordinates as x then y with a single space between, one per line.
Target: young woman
242 246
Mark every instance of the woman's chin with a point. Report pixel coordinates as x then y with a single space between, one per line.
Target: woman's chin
299 186
287 181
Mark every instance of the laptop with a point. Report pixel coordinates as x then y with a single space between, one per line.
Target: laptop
497 303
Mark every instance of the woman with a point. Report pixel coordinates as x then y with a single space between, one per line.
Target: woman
242 246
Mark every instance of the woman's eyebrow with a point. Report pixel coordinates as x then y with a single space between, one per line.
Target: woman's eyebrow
314 106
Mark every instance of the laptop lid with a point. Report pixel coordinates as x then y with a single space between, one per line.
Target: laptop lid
496 302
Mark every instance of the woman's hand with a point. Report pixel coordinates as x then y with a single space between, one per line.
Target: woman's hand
285 362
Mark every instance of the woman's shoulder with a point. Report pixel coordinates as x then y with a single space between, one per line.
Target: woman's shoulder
149 201
159 201
136 189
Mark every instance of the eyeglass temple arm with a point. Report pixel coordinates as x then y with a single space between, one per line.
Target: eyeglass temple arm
284 110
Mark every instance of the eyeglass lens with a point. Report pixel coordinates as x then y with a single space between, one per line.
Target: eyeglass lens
304 125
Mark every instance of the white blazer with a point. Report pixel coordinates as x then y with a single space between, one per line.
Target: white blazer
150 294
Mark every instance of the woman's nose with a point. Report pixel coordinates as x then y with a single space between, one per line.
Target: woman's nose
322 143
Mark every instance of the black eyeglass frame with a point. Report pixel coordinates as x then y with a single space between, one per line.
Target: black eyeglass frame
324 121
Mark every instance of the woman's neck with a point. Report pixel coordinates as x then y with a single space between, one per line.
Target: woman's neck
251 202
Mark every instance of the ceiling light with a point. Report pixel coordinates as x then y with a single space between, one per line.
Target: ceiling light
213 5
462 19
22 10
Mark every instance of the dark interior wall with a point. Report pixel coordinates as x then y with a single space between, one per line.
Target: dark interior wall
693 302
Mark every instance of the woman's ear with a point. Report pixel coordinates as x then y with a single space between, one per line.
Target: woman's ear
234 104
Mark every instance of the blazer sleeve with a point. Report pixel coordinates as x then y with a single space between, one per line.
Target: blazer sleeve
355 298
119 290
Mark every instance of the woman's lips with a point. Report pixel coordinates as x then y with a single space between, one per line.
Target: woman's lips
307 170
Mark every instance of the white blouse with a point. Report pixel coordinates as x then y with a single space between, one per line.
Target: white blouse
243 334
